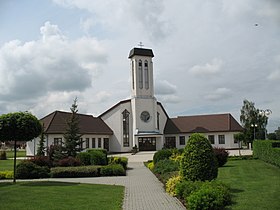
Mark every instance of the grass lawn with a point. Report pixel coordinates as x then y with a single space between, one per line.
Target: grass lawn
10 154
7 165
60 195
255 184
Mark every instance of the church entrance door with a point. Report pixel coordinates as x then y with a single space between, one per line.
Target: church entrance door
147 143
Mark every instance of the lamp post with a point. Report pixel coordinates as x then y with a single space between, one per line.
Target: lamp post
265 113
254 126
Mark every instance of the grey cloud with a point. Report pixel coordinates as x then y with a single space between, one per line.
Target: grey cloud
163 87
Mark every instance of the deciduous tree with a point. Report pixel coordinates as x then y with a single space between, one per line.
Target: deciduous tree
19 126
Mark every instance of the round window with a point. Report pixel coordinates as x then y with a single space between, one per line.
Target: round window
145 116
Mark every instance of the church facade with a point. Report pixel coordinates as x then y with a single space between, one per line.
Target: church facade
141 120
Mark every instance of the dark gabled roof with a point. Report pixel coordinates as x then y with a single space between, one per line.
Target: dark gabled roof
56 123
170 127
141 51
204 124
113 107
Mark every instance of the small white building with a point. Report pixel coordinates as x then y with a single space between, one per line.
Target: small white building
141 120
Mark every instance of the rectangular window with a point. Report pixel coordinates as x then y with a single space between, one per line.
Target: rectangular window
222 139
157 120
182 140
99 142
93 143
211 138
57 141
87 143
170 142
235 141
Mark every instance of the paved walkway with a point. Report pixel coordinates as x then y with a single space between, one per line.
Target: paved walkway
143 191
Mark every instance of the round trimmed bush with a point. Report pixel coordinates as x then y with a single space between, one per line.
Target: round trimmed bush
97 157
161 155
198 161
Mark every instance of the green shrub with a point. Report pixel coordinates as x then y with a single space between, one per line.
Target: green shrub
210 196
166 165
104 151
112 170
98 157
185 188
222 156
41 161
119 160
3 155
28 170
161 155
72 172
171 184
267 150
198 161
68 162
6 174
84 158
151 165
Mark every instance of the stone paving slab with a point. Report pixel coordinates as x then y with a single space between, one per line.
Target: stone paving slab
143 191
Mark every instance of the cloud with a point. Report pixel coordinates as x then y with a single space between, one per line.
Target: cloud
211 68
110 13
31 69
163 87
219 94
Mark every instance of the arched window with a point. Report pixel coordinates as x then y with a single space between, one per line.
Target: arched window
140 68
132 75
146 73
125 117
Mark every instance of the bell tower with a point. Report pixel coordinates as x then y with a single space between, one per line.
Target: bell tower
143 102
141 73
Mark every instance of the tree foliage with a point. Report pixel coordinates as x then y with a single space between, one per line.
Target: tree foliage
19 126
72 135
275 135
250 115
198 161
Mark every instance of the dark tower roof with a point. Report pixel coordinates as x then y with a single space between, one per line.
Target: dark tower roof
141 51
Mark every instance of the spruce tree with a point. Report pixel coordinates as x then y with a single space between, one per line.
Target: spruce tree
41 148
72 135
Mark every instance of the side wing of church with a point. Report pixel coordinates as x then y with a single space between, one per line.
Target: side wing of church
141 120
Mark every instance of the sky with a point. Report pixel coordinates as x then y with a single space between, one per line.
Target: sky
210 55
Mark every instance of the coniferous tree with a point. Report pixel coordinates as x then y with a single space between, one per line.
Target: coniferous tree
72 136
41 148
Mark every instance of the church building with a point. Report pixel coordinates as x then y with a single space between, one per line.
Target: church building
140 121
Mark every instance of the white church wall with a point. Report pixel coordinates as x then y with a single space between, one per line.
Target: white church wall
162 118
114 120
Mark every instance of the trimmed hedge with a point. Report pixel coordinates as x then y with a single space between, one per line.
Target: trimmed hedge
119 160
112 170
267 150
79 171
29 170
161 155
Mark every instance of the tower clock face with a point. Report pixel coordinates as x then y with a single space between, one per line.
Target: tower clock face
145 116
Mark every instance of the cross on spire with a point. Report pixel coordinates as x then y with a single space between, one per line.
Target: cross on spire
140 44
